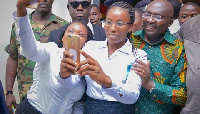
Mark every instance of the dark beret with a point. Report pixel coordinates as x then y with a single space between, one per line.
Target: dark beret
108 3
142 3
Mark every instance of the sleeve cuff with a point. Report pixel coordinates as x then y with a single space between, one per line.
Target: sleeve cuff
69 82
21 21
113 89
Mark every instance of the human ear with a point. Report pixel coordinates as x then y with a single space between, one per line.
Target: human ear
171 22
130 29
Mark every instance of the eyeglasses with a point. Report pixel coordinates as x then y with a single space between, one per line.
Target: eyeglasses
76 4
154 17
118 24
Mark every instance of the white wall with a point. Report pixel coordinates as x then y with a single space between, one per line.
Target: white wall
6 20
6 9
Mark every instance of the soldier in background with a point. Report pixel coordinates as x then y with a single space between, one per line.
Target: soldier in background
42 21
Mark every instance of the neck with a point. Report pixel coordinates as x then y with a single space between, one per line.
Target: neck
83 21
112 47
40 17
153 40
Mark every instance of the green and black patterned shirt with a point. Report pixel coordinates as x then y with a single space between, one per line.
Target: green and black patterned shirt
25 66
168 71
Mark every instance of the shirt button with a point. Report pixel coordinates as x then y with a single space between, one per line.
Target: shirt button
149 46
154 96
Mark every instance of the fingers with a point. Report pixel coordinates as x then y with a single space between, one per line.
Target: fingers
86 70
141 68
141 74
85 55
140 62
138 69
22 3
15 105
67 61
68 64
67 54
148 63
88 61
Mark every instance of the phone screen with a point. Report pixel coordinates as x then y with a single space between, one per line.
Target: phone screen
74 46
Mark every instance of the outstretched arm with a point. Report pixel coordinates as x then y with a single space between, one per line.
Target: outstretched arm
29 47
21 7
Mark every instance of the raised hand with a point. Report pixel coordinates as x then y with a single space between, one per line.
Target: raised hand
91 67
21 7
143 70
68 65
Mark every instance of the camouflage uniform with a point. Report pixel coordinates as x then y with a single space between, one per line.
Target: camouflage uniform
25 66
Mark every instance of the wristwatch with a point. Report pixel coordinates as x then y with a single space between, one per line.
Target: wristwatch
151 90
8 92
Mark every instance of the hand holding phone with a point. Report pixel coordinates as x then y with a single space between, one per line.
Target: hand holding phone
32 4
73 45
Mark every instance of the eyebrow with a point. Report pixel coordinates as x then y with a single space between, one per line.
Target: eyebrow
117 20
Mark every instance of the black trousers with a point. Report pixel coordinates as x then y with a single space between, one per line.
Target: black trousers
26 108
94 106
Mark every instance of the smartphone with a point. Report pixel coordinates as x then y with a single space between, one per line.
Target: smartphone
73 46
32 4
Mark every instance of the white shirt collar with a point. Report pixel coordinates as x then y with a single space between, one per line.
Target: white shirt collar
124 49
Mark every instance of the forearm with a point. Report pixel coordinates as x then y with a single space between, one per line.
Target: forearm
69 82
21 11
11 72
169 94
30 48
126 92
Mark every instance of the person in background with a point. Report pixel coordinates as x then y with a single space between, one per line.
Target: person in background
163 78
112 88
142 4
188 11
95 15
79 10
177 6
189 34
137 25
42 21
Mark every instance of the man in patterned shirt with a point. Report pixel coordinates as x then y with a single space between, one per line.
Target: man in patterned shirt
163 79
42 21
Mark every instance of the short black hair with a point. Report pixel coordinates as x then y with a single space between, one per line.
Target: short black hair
94 5
124 5
177 6
191 3
60 44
